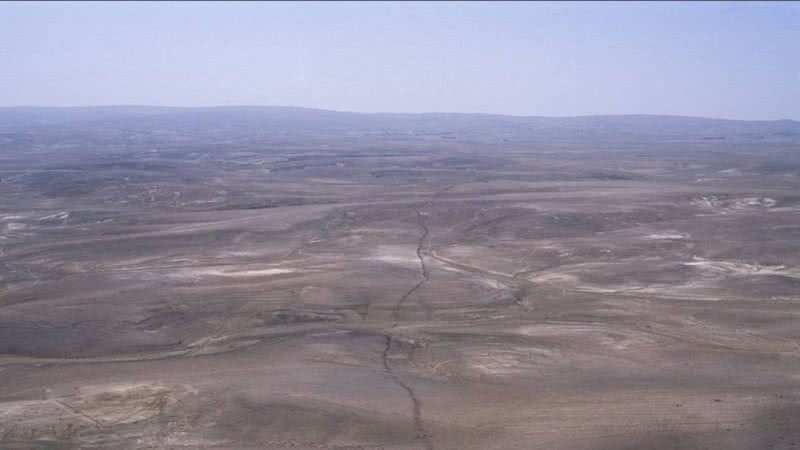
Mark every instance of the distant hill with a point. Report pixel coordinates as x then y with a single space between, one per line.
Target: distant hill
460 126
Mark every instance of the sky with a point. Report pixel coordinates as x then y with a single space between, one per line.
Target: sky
729 60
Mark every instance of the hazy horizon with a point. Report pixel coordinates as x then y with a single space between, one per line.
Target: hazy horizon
712 60
467 113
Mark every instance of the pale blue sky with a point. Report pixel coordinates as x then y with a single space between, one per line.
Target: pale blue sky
731 60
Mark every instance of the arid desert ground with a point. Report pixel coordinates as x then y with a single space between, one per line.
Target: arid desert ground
248 278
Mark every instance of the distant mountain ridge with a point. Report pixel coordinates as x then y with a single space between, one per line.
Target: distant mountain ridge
270 109
467 125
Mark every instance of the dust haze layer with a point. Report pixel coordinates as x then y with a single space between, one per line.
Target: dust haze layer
264 277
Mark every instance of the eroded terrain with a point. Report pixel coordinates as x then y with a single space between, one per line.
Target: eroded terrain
167 285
